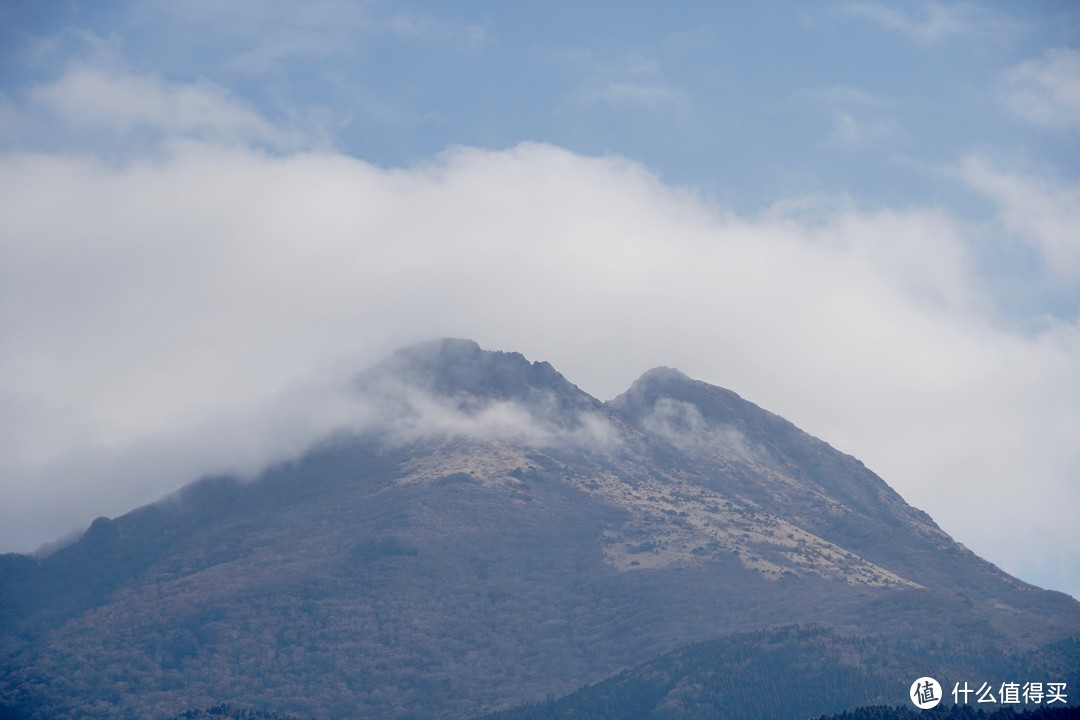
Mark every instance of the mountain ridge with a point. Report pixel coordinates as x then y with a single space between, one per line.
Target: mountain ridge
499 535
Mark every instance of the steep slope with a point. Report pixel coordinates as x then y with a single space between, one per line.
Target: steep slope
496 535
763 461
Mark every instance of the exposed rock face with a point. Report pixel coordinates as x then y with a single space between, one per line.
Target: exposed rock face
497 536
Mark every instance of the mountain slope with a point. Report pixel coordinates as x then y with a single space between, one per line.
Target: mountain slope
494 535
793 673
763 460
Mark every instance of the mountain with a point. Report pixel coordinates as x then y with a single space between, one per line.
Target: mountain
957 712
489 535
796 672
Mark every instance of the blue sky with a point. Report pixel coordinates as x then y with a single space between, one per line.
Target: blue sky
863 216
747 104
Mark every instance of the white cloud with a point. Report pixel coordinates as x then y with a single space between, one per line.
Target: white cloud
936 21
401 412
633 94
424 27
859 117
273 33
682 425
1045 91
628 80
850 96
122 102
203 311
1037 211
848 129
13 122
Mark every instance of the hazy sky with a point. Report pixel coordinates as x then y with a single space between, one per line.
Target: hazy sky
862 216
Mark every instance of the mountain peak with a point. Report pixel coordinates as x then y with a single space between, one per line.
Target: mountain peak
453 366
706 420
663 375
448 349
469 378
667 382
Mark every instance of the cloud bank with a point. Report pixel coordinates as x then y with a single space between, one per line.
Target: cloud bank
204 311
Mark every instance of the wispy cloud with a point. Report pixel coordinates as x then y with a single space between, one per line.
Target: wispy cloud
935 22
399 411
1039 212
1045 91
849 129
629 80
630 93
278 30
120 101
682 425
849 95
13 122
425 27
859 117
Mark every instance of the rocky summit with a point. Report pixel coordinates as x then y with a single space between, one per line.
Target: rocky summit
492 535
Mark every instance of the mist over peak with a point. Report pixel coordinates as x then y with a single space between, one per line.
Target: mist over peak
453 387
707 421
454 367
716 403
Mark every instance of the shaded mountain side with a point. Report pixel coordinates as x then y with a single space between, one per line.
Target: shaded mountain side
207 523
499 536
794 673
228 712
449 596
957 712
